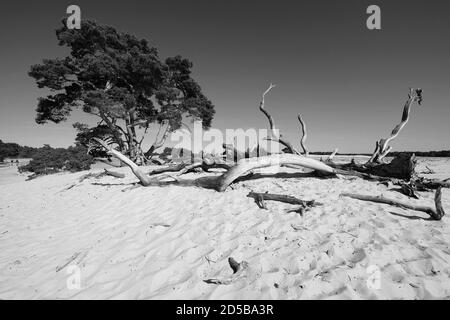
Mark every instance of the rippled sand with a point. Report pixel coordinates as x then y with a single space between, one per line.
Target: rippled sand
163 242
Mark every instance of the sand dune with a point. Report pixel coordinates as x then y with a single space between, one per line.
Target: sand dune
163 242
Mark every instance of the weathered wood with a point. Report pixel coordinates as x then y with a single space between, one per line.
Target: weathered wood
183 168
408 190
435 213
382 148
304 135
424 183
239 271
401 167
114 174
276 136
221 183
282 198
244 166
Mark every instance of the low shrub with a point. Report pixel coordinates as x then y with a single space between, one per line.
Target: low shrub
48 160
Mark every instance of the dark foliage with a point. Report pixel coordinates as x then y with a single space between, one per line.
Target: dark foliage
13 150
47 160
119 79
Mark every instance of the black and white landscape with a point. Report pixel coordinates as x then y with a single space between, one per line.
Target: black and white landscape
224 150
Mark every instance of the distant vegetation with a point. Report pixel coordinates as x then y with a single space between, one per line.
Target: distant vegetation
13 150
442 153
48 160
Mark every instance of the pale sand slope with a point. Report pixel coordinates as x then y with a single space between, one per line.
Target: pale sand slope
162 242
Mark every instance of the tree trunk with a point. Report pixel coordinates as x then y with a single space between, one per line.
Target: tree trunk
222 182
401 167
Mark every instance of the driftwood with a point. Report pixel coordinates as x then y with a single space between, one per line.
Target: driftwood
408 190
69 261
108 162
303 204
382 148
98 175
424 183
428 170
276 136
435 213
220 183
304 135
402 167
246 166
282 198
239 271
400 171
182 168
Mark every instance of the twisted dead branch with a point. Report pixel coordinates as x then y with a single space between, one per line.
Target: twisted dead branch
332 155
276 136
382 146
303 204
304 135
239 271
221 183
435 213
183 168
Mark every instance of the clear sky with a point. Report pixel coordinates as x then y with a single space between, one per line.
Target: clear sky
349 83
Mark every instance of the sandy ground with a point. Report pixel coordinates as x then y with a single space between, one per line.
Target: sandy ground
163 242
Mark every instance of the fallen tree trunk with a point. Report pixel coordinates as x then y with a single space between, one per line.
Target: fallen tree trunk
185 167
244 166
304 135
332 155
239 271
399 171
424 183
435 213
222 182
402 167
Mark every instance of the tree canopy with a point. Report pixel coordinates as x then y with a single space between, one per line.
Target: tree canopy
121 80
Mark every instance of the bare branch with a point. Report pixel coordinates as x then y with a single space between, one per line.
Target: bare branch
282 198
304 135
382 146
276 135
331 156
435 213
